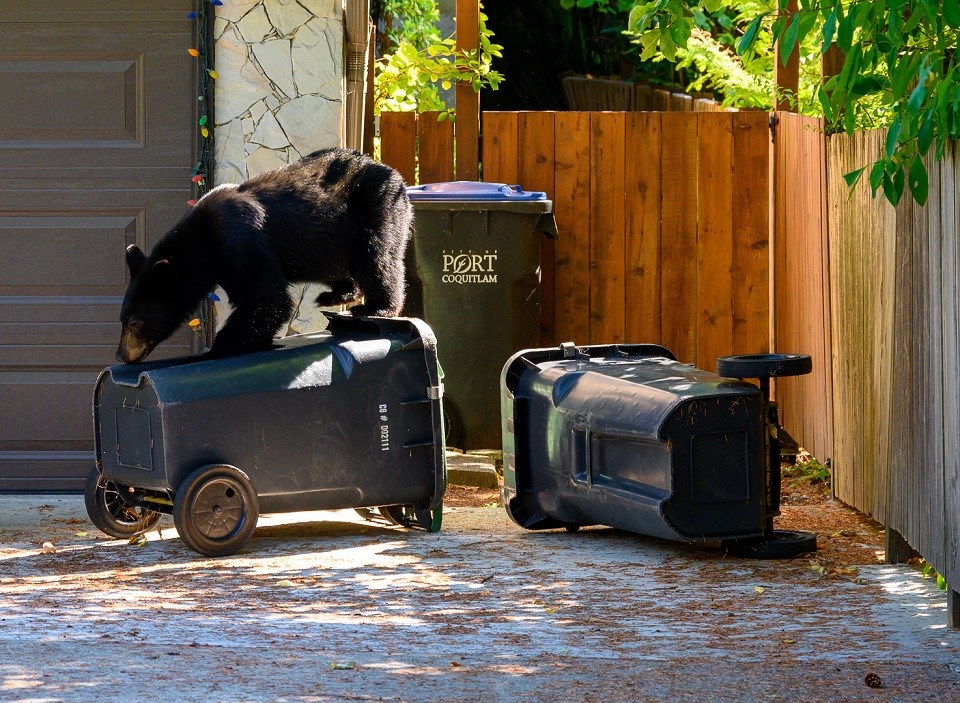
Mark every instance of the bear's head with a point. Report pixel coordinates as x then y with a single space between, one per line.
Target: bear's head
153 306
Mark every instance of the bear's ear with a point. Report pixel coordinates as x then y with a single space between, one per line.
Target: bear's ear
162 273
135 260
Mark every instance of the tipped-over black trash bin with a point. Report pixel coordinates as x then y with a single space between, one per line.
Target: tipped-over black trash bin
628 437
351 418
473 273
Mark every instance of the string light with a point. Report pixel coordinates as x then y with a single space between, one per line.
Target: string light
198 175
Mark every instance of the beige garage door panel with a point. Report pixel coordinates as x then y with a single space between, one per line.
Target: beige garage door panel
95 155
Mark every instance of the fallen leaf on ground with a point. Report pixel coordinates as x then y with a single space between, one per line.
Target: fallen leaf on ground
286 583
759 589
81 534
340 666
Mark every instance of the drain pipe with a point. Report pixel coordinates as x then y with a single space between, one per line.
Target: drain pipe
358 37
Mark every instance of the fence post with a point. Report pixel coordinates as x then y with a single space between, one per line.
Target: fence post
468 99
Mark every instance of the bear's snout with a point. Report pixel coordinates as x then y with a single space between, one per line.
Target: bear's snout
131 349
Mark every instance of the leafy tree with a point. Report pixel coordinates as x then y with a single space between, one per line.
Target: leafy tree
419 62
898 69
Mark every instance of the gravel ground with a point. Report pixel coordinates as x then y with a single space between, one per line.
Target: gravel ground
327 607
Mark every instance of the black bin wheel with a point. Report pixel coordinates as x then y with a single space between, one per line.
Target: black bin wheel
108 511
215 510
764 365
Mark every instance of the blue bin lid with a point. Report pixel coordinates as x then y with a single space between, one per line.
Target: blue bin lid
474 191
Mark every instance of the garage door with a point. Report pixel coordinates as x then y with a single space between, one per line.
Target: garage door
96 147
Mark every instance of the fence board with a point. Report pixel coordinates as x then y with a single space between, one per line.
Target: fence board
751 322
607 250
398 143
572 207
500 150
535 172
468 99
802 280
642 177
715 232
435 148
678 235
929 541
951 377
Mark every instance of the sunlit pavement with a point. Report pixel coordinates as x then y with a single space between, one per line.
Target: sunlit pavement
328 607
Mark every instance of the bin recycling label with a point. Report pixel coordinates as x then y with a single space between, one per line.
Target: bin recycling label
466 266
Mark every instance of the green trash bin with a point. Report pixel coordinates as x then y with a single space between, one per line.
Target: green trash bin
473 273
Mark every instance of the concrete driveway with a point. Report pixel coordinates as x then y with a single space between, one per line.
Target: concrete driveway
327 607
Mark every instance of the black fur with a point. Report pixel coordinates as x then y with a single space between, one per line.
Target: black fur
335 217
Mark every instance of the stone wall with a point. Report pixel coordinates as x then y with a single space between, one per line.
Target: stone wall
280 91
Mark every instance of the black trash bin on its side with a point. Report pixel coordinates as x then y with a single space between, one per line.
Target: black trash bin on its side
473 274
350 418
628 437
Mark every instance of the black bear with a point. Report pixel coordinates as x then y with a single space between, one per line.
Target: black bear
335 217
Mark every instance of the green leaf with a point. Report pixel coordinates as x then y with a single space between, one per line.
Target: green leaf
893 186
898 178
951 13
918 181
854 176
893 135
680 32
789 39
824 97
941 582
712 5
876 176
829 29
667 46
865 85
901 73
917 97
750 36
845 33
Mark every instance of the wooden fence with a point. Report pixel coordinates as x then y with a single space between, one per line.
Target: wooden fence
923 487
893 322
585 93
663 219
